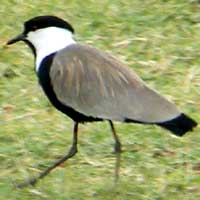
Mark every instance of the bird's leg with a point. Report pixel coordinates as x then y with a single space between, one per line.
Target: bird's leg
117 150
117 145
117 166
71 153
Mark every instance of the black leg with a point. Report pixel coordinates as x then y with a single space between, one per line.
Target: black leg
117 166
117 150
117 145
71 153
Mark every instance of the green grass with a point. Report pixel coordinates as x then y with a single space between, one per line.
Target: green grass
160 41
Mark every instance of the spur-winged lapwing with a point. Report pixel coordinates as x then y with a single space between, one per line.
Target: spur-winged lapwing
90 85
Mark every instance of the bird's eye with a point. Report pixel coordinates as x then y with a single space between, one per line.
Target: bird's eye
34 28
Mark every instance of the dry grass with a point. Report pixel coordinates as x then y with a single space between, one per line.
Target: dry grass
160 41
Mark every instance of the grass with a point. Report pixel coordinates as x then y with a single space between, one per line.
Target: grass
160 41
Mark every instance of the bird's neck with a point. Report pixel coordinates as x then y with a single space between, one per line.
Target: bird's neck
49 40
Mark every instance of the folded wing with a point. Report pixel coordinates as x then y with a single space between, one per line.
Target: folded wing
96 84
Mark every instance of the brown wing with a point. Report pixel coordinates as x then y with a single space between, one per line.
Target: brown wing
96 84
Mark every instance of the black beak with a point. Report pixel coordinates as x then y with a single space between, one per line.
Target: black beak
20 37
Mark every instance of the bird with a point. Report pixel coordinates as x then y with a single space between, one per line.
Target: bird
88 85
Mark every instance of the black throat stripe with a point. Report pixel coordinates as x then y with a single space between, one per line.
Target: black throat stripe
45 82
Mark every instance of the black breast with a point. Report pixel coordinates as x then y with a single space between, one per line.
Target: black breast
45 82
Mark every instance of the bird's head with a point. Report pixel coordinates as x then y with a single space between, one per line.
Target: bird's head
45 32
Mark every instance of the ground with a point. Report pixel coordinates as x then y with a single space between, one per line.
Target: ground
160 41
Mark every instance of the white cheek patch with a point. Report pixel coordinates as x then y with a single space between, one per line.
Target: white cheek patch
49 40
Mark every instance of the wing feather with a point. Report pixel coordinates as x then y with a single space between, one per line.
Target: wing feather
97 85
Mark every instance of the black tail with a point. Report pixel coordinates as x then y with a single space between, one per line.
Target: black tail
179 125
